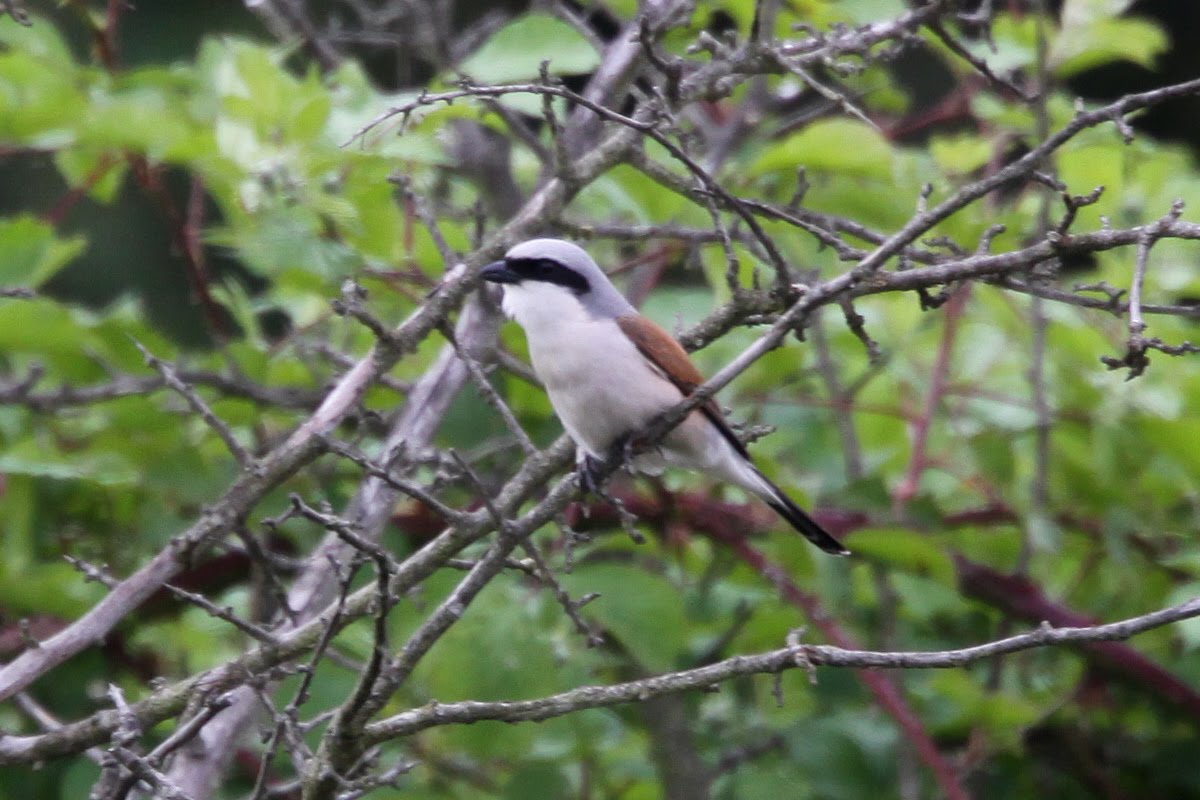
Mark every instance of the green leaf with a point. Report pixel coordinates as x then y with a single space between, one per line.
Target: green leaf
1079 13
993 451
840 146
34 458
1013 44
283 239
81 165
18 507
31 252
1188 629
641 609
40 40
264 80
54 589
1165 435
905 549
838 754
516 51
520 661
309 119
42 327
961 153
537 780
925 599
1102 41
39 102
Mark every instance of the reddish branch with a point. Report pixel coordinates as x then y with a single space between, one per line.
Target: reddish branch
107 44
1017 597
997 513
938 385
886 692
68 201
727 523
185 234
1020 598
185 231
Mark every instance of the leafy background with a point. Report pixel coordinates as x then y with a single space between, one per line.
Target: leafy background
198 116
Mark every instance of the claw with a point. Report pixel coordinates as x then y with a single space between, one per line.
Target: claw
628 449
623 451
590 479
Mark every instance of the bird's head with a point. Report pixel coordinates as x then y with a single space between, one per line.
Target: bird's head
551 280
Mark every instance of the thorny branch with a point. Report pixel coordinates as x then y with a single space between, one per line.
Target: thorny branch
214 707
1135 356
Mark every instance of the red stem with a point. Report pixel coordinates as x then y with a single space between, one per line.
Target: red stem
727 523
185 231
939 382
1021 598
63 207
886 692
1015 596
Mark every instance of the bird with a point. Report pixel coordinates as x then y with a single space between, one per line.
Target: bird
609 371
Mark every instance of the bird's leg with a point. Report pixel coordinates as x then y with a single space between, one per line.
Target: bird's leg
591 475
624 449
621 453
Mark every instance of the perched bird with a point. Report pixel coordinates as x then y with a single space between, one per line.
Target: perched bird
609 371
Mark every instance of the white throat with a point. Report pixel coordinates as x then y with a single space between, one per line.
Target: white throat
543 309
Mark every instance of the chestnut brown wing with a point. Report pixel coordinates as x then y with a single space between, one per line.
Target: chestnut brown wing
667 356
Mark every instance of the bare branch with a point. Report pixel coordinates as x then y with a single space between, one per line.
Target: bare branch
436 714
1135 355
922 222
198 405
305 442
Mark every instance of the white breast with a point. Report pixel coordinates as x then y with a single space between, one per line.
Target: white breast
602 387
599 384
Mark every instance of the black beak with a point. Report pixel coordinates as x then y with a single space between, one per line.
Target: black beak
498 272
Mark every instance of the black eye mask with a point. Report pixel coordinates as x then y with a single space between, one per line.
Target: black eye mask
548 271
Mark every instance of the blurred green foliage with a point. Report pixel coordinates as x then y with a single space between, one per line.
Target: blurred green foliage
301 204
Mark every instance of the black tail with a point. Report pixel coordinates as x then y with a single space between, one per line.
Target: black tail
799 519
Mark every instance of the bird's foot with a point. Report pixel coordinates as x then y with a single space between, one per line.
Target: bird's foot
591 475
624 450
594 471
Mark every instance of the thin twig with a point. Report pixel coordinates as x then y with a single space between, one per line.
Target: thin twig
197 404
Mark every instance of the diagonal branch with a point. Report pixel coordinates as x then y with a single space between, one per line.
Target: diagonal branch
1028 163
305 442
